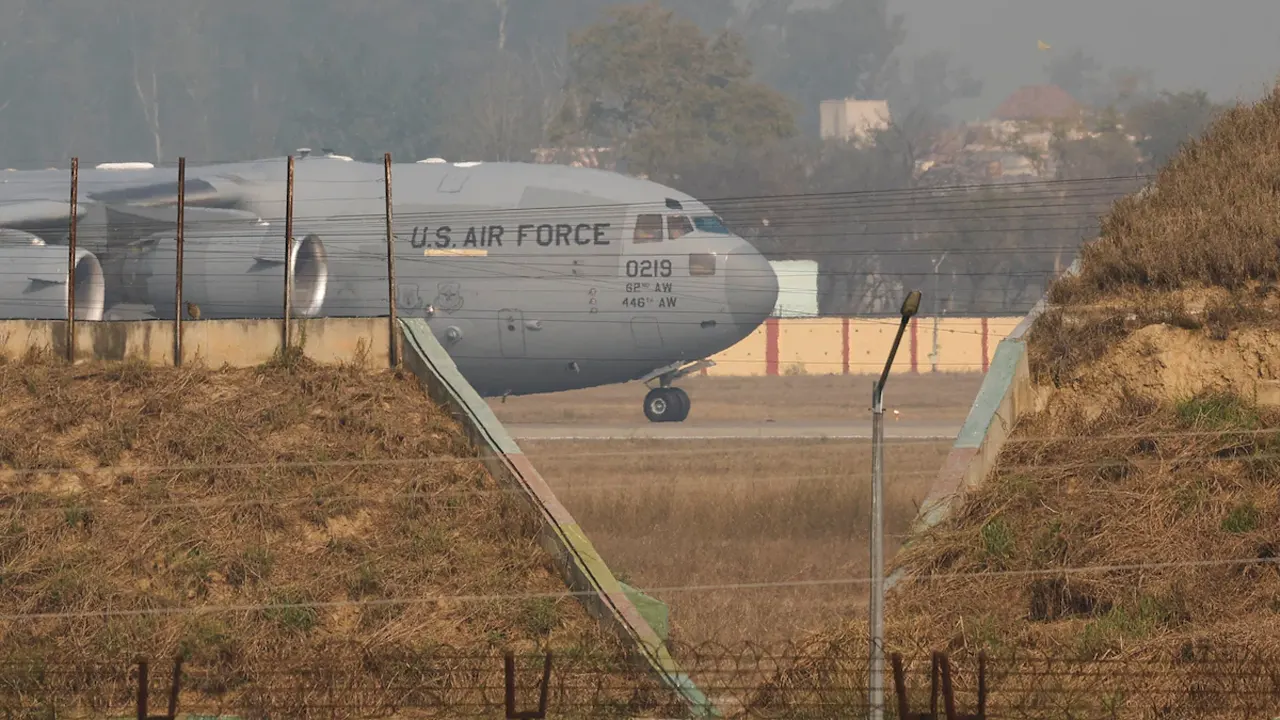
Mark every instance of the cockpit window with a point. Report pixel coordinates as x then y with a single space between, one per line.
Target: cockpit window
711 224
678 226
648 228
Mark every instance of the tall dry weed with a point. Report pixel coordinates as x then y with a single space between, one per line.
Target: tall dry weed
1210 221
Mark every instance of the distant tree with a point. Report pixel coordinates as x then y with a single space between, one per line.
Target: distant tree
504 109
1077 73
1127 87
934 80
1108 154
843 49
659 91
917 104
1117 90
539 25
1108 120
1163 124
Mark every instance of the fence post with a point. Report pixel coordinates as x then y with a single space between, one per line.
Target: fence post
391 266
935 667
71 262
142 689
900 687
982 684
509 676
174 687
177 303
288 257
948 692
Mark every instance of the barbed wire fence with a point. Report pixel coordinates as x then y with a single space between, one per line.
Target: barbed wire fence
821 679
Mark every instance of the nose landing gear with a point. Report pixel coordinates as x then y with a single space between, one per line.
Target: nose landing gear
666 404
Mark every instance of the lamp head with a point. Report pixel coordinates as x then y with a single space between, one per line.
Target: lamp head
911 305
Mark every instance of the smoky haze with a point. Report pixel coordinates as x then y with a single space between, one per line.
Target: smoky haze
928 199
223 79
1230 49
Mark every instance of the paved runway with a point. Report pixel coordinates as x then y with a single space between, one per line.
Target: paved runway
899 430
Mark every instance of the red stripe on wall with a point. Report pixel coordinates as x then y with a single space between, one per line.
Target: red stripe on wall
844 344
986 354
771 346
915 352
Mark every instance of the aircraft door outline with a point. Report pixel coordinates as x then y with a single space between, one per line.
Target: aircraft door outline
511 332
646 334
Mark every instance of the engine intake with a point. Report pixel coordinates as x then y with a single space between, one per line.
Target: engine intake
33 285
232 271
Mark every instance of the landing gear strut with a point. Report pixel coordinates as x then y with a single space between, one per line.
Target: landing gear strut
666 403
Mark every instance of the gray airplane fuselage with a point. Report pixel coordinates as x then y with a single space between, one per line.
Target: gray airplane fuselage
535 278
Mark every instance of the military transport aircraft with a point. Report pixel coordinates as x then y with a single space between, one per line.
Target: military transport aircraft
536 278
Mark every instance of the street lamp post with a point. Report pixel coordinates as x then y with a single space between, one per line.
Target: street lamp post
937 311
876 669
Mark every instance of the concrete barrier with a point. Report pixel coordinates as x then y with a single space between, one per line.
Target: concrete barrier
786 346
854 346
582 567
238 343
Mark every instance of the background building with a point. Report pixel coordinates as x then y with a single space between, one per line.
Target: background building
853 120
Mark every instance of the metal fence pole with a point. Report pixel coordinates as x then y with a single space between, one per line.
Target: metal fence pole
391 267
71 262
177 289
288 256
875 670
876 625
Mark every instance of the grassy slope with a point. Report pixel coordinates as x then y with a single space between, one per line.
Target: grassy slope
1151 451
121 487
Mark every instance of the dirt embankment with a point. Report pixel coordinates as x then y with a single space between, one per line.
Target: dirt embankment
1133 525
339 510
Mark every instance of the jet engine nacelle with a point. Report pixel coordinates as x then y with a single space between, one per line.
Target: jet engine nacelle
233 271
33 285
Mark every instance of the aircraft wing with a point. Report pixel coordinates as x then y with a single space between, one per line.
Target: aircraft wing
200 192
40 199
27 214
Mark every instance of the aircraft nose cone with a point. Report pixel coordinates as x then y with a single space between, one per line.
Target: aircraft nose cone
751 287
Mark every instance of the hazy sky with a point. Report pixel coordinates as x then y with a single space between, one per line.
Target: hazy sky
1229 47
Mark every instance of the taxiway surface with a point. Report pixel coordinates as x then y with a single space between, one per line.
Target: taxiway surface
861 429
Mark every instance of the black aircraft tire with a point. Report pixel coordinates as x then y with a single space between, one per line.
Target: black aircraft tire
661 405
681 398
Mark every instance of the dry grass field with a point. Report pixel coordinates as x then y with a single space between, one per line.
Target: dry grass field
674 514
290 490
671 514
944 396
